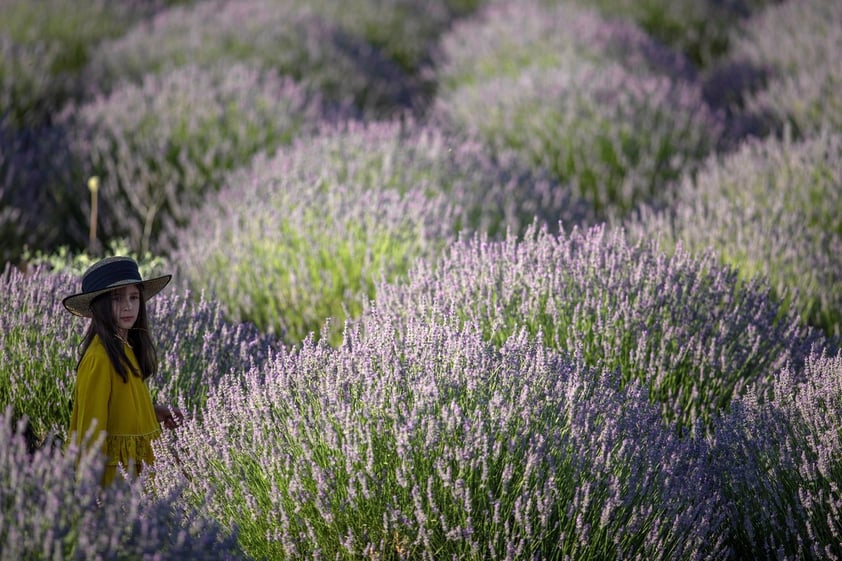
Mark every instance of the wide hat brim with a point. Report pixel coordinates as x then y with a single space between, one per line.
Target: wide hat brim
80 304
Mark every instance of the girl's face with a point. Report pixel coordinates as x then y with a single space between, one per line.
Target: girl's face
125 306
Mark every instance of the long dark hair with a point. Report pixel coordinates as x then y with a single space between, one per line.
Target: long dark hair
103 324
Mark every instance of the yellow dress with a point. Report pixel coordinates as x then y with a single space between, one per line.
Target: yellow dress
124 410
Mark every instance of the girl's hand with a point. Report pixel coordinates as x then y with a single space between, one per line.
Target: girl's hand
170 417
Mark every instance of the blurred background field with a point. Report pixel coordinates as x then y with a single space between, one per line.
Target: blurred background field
474 279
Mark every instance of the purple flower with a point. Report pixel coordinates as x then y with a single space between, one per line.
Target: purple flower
771 209
303 237
596 104
332 447
686 327
778 455
52 505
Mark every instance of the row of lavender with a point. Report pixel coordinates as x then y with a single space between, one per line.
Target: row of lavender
617 126
563 396
651 144
264 32
620 397
157 115
373 52
552 113
145 94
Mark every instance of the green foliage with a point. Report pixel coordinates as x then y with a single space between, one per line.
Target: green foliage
308 267
66 260
36 379
37 352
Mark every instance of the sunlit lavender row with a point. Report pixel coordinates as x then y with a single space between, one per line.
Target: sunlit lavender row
681 324
771 208
593 116
306 235
797 45
441 446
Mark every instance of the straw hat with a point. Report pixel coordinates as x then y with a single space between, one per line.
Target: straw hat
108 274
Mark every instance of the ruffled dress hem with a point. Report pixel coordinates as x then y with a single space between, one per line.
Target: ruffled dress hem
123 449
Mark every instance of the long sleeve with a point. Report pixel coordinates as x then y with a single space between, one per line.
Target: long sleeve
93 393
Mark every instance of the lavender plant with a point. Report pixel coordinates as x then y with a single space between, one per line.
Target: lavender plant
197 346
779 456
42 192
503 38
681 324
291 38
433 445
52 507
44 45
799 44
161 147
617 136
406 30
617 139
39 348
773 209
304 237
700 28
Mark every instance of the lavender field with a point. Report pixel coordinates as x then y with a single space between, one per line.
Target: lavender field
454 279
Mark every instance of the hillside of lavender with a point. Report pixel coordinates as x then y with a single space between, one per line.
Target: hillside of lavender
453 279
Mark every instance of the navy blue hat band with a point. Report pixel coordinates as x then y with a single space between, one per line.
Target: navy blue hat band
107 274
104 277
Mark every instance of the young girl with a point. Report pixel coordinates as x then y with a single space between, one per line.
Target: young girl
116 359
